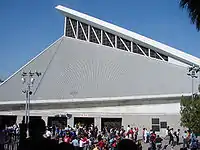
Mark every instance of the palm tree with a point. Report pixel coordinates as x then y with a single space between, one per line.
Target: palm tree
193 8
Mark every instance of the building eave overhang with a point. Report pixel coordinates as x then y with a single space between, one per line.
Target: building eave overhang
106 99
137 38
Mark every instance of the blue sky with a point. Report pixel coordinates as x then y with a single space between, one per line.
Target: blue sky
27 27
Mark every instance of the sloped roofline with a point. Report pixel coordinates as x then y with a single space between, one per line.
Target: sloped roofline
31 60
165 49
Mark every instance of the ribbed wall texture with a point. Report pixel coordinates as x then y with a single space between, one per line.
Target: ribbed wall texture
77 69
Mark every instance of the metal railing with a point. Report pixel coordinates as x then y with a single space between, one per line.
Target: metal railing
11 143
10 146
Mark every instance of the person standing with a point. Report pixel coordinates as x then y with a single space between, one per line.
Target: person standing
145 135
54 130
152 140
128 128
171 137
136 133
101 144
48 133
158 142
67 139
177 134
2 137
82 143
131 133
184 139
127 131
167 132
194 142
75 143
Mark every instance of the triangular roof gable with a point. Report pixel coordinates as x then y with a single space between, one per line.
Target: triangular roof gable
39 63
77 69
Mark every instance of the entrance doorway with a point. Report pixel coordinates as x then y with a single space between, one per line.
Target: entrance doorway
57 121
7 120
111 123
83 121
32 117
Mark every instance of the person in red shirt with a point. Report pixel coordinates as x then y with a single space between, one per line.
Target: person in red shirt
136 133
114 145
130 133
101 144
86 142
153 136
85 139
153 139
67 139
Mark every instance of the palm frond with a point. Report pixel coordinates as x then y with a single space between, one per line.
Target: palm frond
193 8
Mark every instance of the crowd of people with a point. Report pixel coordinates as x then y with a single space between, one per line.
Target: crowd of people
78 138
189 139
9 135
89 137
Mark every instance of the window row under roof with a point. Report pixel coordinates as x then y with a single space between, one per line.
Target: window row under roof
82 31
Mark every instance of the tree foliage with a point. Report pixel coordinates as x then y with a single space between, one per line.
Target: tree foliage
190 113
193 8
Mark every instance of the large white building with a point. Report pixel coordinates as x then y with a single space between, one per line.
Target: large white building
103 73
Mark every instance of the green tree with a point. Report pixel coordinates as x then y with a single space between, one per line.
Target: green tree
193 8
190 113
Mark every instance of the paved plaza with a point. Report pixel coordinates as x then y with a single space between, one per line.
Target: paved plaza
165 142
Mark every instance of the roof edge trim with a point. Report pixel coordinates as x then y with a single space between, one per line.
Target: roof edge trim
149 97
172 52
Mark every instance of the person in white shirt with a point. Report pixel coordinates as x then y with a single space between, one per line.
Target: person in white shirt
184 136
128 128
75 143
177 136
82 144
121 132
145 135
48 134
127 131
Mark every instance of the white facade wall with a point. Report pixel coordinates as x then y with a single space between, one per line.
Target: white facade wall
165 109
134 115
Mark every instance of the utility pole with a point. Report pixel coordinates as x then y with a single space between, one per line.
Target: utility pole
193 70
28 79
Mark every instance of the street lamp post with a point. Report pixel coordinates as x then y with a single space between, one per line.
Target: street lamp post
192 73
28 79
